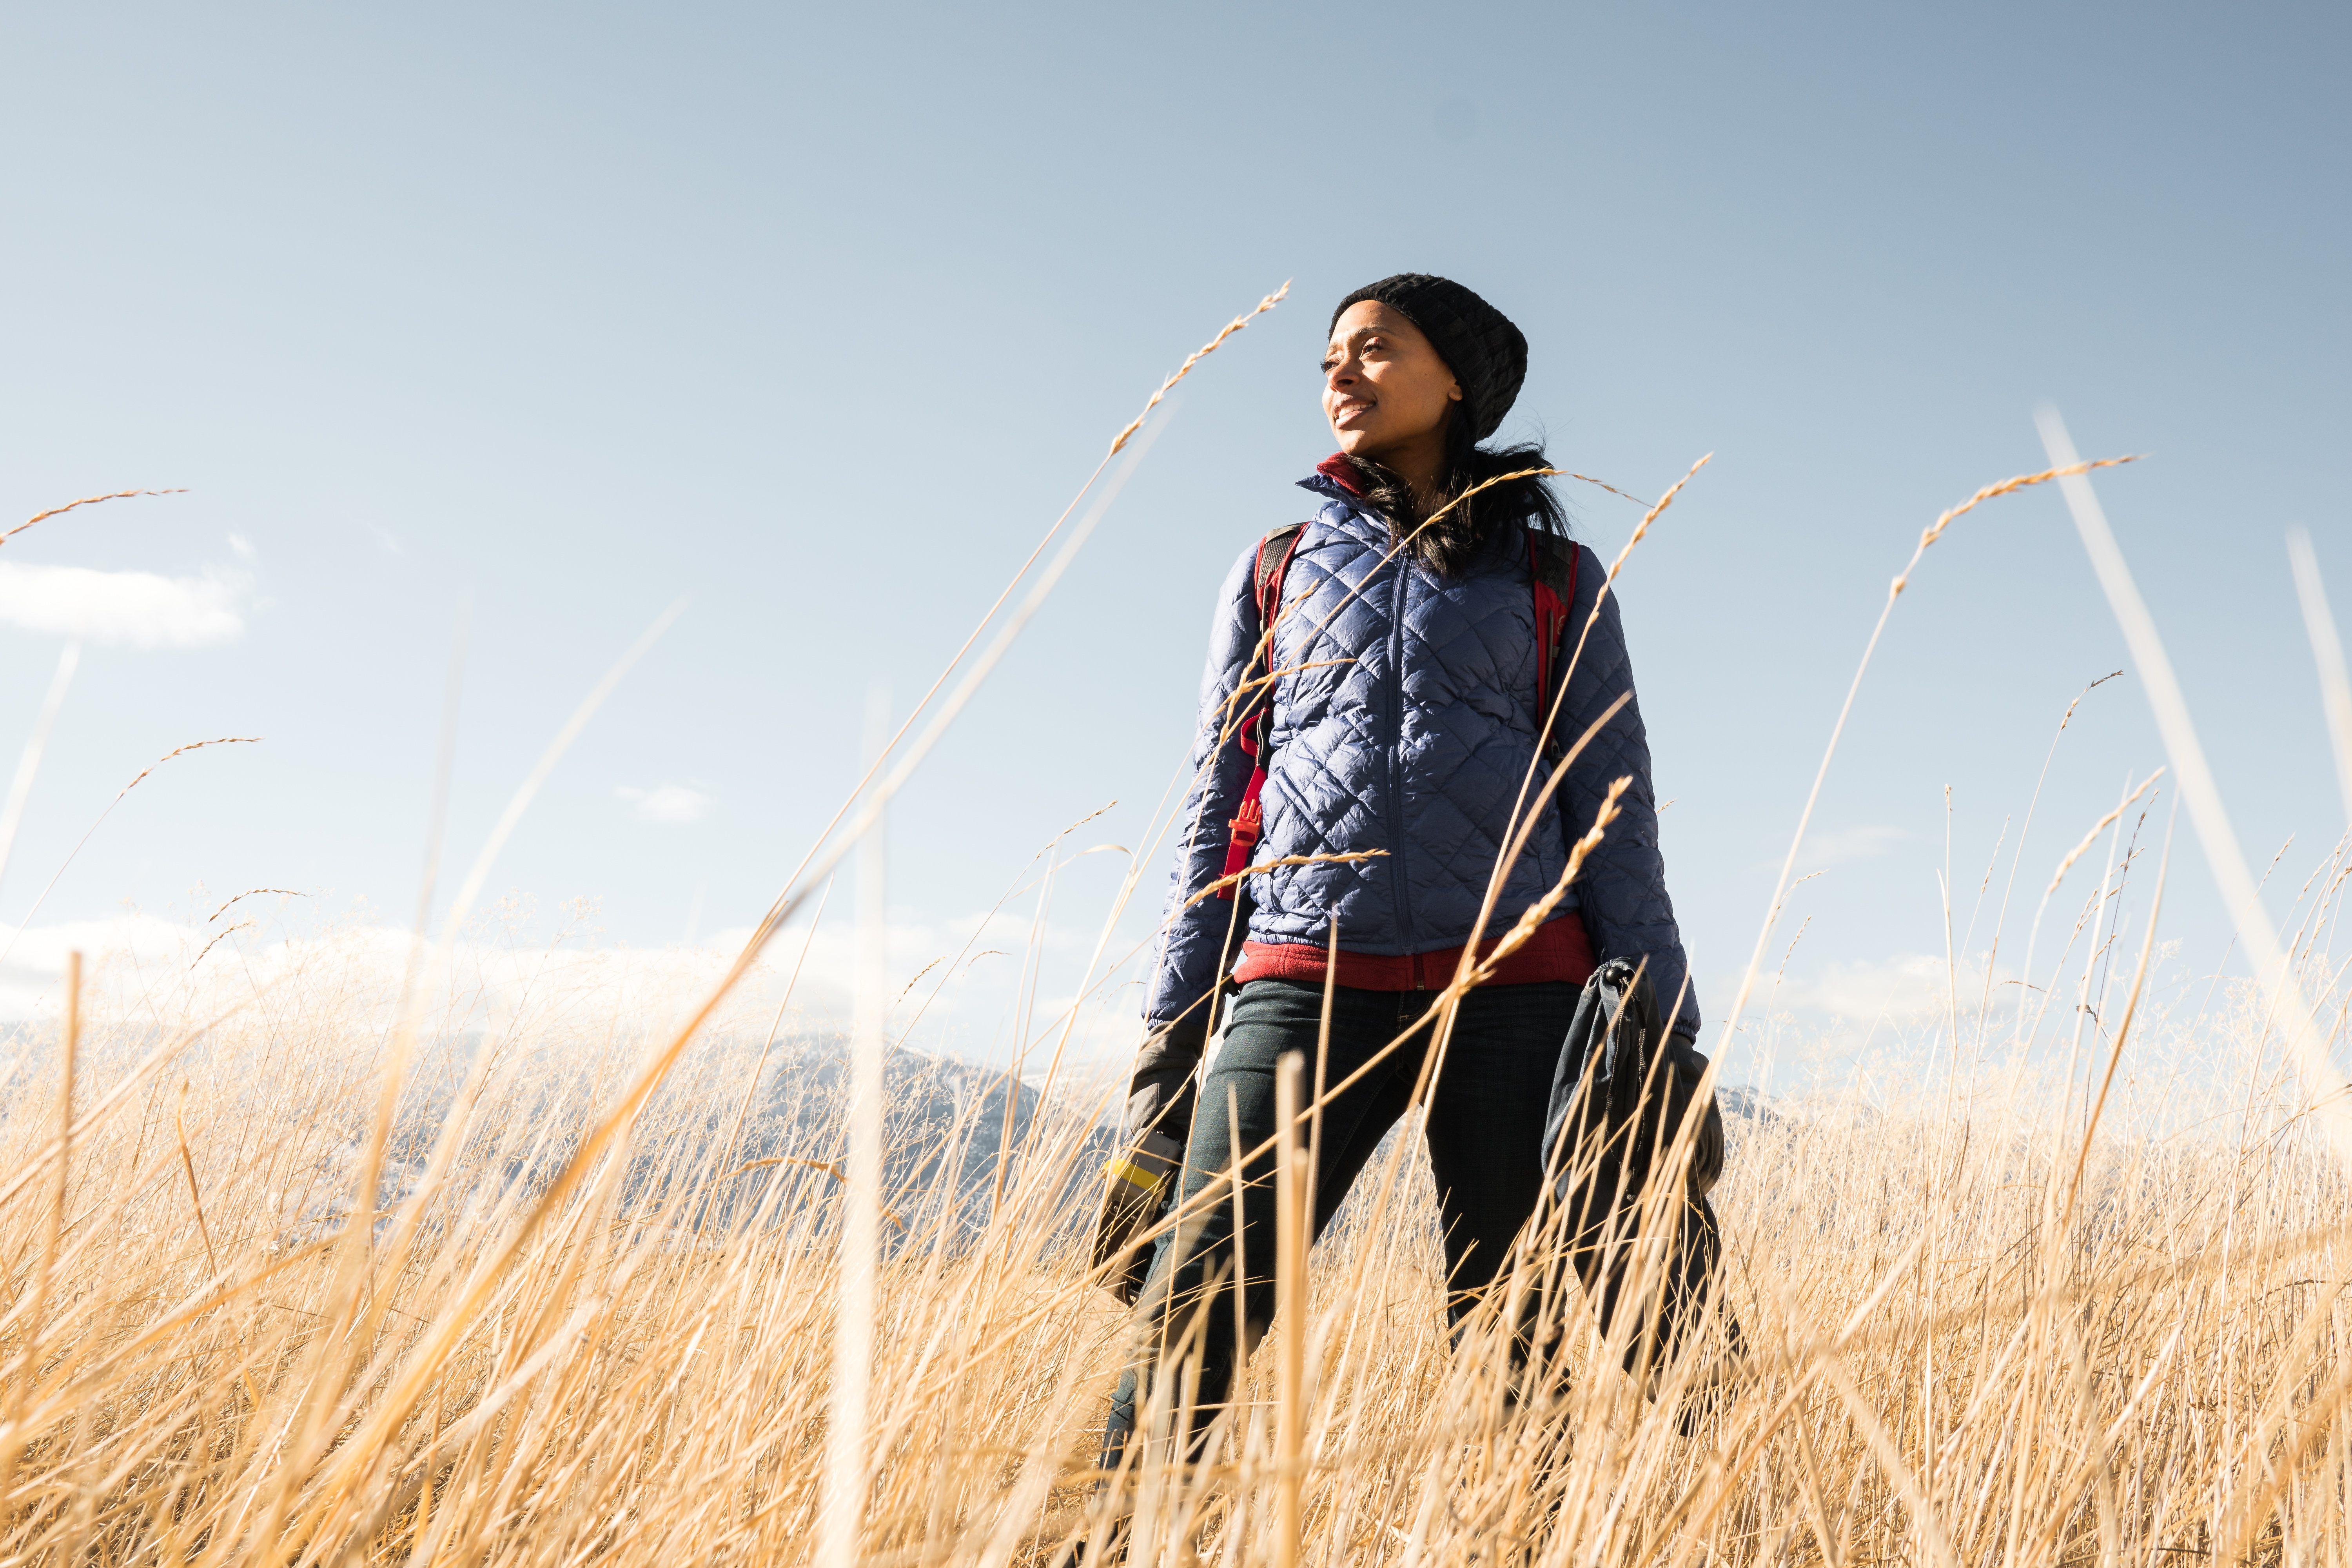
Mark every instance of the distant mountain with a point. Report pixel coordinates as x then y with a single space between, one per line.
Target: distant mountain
946 1127
1747 1102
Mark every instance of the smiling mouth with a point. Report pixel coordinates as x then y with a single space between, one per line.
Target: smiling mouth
1349 409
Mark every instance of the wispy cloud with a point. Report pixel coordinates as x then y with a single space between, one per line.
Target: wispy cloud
951 983
1903 987
1836 846
126 609
666 803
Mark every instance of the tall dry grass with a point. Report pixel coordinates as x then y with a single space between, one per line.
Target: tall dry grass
1976 1335
329 1275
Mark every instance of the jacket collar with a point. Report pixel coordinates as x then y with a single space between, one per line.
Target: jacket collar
1343 473
1334 477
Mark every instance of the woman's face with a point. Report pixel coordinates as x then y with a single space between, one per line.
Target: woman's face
1385 389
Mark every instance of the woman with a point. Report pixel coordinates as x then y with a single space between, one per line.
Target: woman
1405 721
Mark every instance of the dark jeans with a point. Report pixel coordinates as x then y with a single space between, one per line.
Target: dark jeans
1486 1134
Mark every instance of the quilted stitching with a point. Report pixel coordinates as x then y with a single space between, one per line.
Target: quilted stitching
1424 761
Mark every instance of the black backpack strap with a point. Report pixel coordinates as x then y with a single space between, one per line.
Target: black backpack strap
1256 729
1274 554
1552 563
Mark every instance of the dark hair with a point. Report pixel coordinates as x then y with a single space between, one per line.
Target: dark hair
1456 539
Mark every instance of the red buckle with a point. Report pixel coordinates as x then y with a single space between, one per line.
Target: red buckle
1248 825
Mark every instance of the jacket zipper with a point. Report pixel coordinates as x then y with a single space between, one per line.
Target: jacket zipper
1395 695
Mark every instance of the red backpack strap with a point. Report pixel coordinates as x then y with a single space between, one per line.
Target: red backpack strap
1551 565
1256 734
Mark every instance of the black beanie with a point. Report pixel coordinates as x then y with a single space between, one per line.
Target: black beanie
1487 354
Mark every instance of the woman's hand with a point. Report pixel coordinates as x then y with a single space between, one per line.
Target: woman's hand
1134 1190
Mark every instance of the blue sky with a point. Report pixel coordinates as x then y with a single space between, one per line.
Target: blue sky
818 318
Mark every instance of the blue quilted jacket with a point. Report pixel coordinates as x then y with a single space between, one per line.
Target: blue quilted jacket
1405 720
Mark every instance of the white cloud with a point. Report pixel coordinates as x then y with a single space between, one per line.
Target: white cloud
130 609
137 965
952 985
31 971
241 545
1836 846
666 803
1903 987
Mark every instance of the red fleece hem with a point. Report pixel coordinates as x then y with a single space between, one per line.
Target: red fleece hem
1558 950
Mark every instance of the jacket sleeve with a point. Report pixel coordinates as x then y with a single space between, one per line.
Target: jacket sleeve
1623 887
1194 942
